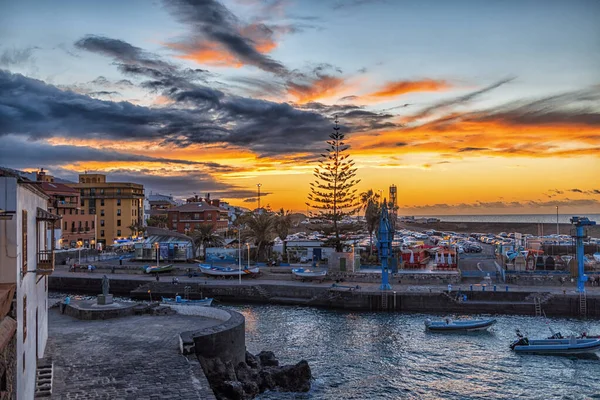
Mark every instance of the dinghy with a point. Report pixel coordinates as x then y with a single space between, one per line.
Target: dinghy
306 273
186 302
459 326
556 346
154 269
227 271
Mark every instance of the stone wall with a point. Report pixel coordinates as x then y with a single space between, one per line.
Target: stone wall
8 364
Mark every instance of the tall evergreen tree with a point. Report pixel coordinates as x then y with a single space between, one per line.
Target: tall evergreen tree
333 193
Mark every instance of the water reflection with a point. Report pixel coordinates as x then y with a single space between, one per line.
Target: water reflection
390 356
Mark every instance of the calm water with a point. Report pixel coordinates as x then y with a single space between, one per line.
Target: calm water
390 356
528 218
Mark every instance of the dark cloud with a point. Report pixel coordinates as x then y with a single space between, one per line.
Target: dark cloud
349 98
576 190
447 104
17 57
471 149
211 21
15 151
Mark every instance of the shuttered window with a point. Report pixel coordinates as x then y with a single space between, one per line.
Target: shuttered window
24 242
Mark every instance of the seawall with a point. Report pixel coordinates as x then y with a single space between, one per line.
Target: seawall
424 300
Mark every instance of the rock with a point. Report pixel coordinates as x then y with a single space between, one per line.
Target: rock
267 359
229 390
251 360
266 381
292 378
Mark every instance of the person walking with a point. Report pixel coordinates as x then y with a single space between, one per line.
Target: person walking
157 278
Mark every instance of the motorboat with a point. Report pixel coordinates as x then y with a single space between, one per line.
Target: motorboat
568 346
309 273
214 270
186 302
449 325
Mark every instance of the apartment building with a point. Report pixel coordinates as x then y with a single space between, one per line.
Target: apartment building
26 260
188 217
116 205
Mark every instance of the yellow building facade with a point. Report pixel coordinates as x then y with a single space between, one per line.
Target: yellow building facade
117 206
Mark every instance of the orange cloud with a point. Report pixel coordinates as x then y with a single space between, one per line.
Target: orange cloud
398 88
322 87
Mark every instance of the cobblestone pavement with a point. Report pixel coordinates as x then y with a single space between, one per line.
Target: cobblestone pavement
124 358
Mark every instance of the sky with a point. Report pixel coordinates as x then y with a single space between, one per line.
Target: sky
468 107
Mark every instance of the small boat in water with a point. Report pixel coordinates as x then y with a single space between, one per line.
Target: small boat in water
154 269
213 270
459 326
307 273
186 302
556 346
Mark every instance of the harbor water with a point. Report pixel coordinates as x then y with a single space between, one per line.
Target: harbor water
520 218
391 356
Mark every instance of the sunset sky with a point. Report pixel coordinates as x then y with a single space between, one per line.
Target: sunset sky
468 107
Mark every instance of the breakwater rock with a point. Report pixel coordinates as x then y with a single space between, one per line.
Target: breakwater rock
257 374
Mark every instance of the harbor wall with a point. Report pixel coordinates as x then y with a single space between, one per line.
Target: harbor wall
426 300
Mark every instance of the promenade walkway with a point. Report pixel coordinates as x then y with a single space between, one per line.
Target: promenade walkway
124 358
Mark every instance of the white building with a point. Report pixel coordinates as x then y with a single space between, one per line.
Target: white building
26 260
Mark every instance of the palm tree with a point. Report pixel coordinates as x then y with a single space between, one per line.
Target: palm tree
205 236
283 224
367 198
261 230
372 215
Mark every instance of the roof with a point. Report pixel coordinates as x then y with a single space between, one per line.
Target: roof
202 206
154 234
157 197
22 179
50 187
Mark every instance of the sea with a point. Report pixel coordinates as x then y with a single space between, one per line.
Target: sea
512 218
367 355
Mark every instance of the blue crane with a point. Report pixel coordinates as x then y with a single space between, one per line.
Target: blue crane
580 223
384 245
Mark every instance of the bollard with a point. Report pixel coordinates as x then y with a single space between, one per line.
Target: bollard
471 288
494 288
507 288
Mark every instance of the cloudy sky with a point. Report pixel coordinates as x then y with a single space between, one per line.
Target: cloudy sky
466 106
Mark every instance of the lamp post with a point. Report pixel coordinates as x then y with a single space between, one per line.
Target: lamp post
258 185
353 258
157 247
240 255
248 246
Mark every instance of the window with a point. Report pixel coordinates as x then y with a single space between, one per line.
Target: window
119 233
118 222
102 233
82 212
93 224
82 202
102 213
24 246
118 212
102 202
187 226
101 222
101 191
82 193
208 216
118 202
197 226
66 226
118 191
92 192
71 211
196 216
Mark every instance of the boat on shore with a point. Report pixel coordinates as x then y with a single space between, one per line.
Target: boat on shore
459 326
568 346
151 269
214 270
186 302
309 274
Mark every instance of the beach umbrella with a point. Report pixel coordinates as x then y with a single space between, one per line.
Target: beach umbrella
442 259
449 258
412 258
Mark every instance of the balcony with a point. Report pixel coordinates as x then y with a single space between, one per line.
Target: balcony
64 204
45 262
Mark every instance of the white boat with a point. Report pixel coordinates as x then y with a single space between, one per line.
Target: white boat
227 271
459 326
186 302
307 273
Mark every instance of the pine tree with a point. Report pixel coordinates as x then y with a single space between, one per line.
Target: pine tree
333 192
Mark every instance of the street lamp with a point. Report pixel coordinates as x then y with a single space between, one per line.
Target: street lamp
240 255
157 246
258 185
353 258
248 246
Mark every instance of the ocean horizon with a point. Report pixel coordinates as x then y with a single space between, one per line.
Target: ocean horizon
512 218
